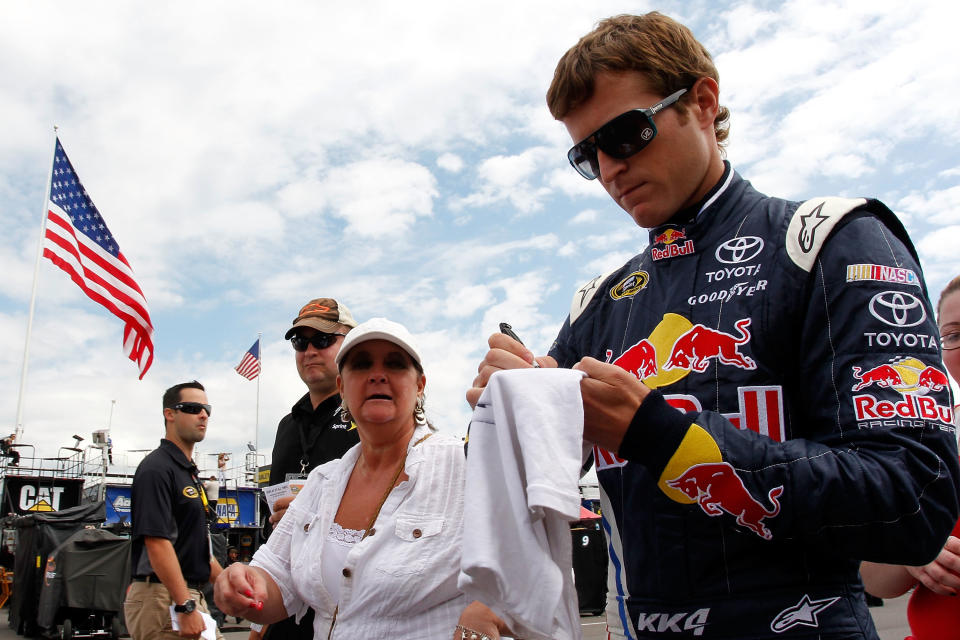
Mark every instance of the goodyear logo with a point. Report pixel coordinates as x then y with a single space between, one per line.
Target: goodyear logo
190 491
630 285
228 511
263 476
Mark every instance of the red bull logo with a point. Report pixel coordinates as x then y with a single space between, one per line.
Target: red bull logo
669 236
694 349
914 380
867 407
883 376
676 347
906 376
932 379
640 359
672 250
718 488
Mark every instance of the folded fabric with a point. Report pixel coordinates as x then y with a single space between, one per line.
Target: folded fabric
523 467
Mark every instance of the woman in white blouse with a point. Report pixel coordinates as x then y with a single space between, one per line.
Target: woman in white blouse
372 541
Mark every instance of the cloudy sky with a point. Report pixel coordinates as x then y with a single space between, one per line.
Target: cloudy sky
400 157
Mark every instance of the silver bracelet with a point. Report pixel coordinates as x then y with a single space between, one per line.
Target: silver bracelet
470 634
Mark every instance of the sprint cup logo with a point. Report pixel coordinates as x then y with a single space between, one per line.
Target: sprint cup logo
913 380
630 285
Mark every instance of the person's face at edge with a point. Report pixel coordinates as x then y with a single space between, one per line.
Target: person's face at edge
949 322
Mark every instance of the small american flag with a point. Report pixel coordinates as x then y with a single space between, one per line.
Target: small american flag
77 240
249 366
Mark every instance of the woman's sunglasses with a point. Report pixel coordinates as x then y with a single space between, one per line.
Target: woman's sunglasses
319 340
620 138
193 407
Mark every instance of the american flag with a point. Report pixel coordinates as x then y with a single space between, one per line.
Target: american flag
77 240
249 367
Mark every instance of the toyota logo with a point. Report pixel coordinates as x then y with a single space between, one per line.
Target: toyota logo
737 250
897 309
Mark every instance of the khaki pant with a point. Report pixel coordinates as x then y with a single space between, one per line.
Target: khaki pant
147 611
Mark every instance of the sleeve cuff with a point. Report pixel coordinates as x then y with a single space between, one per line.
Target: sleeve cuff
655 433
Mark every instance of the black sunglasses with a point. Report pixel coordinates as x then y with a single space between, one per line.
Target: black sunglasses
319 340
193 407
620 138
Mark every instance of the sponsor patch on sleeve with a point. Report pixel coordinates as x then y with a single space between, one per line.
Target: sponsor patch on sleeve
881 273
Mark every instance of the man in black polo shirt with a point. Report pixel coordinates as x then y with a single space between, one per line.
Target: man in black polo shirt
313 432
171 556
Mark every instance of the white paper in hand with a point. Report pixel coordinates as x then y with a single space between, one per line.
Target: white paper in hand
209 633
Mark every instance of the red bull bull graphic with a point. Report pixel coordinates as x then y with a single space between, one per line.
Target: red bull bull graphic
669 236
640 359
883 376
694 349
718 488
932 379
904 375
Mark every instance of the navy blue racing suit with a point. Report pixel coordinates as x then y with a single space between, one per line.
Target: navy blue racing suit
801 419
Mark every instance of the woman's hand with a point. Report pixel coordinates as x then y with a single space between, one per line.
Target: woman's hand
249 592
479 617
943 574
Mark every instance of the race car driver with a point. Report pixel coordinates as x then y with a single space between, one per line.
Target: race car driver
764 382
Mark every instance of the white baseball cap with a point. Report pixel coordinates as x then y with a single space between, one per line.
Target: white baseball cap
379 329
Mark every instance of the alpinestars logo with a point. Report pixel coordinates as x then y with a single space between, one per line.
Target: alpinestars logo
808 228
803 613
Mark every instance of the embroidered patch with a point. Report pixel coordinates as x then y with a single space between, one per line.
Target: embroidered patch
881 273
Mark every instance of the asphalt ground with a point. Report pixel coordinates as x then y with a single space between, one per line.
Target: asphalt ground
891 621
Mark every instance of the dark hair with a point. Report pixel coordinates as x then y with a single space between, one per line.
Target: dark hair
172 395
953 285
663 50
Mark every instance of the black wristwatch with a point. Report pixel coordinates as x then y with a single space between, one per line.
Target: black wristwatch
187 607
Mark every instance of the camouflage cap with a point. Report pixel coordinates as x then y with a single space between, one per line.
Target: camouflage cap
323 314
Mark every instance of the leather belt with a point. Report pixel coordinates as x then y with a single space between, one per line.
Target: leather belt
155 580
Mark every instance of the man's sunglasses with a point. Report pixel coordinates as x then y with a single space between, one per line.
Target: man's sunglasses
620 138
319 340
193 407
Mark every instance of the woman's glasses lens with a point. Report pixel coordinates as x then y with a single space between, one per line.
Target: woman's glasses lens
318 340
193 407
950 341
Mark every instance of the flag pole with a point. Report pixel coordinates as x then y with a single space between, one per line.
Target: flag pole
33 293
256 422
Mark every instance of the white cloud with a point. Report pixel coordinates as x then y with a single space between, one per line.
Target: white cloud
940 207
380 197
587 216
450 162
511 179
